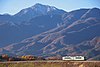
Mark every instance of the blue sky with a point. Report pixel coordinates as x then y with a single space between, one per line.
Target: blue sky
14 6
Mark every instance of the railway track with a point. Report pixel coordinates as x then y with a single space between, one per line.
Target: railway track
45 61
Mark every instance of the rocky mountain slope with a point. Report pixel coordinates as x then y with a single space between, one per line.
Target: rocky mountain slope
14 28
79 34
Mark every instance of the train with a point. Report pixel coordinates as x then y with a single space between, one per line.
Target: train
76 58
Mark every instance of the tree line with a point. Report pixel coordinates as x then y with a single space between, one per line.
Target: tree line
5 57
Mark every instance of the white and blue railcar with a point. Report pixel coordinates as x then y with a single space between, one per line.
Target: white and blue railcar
79 58
67 58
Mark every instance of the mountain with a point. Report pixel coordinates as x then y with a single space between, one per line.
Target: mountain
14 28
79 34
37 10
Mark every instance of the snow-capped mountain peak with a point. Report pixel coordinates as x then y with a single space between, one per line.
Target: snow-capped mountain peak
38 10
43 8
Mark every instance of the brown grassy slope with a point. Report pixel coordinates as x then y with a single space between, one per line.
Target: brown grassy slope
51 64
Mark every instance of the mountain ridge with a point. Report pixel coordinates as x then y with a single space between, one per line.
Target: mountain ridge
16 28
71 33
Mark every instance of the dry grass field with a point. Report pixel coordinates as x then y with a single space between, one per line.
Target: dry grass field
51 64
